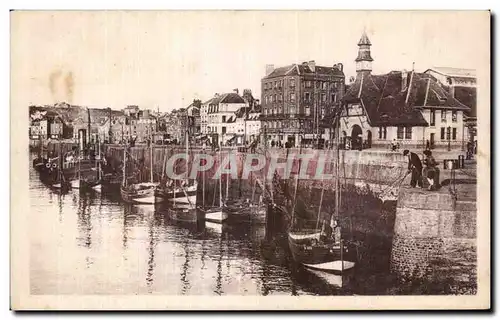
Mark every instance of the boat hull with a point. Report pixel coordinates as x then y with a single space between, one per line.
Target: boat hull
218 215
184 215
306 247
149 195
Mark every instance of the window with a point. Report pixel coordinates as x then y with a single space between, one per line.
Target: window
408 132
400 132
281 97
334 97
443 115
292 82
433 118
308 111
275 84
442 133
223 118
323 97
223 130
382 133
325 84
448 133
292 109
275 98
308 83
454 134
271 98
318 84
307 96
453 116
292 97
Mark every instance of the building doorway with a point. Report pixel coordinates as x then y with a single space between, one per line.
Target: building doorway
432 141
356 139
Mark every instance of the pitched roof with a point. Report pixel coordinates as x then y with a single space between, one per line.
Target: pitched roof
242 111
455 72
231 97
281 71
386 103
467 96
364 40
301 69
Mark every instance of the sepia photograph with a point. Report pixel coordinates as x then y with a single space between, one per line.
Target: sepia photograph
250 160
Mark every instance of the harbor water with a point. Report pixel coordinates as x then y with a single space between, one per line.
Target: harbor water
88 243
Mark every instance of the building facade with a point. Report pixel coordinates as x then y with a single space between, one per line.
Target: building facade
410 108
295 99
220 116
462 85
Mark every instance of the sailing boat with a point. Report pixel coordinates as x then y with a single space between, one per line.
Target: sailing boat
186 213
60 183
144 192
321 249
186 192
75 183
218 214
94 183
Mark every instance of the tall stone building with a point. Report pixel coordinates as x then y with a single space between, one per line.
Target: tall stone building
295 99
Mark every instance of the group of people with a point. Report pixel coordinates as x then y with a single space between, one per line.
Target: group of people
417 170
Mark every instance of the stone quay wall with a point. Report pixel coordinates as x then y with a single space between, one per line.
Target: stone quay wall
426 224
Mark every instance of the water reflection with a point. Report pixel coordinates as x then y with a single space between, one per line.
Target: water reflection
88 243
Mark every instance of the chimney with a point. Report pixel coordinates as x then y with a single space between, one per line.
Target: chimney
312 65
236 91
269 69
404 80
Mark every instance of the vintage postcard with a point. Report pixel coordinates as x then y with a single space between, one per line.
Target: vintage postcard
277 160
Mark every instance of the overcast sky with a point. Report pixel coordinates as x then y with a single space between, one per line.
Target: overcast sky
166 59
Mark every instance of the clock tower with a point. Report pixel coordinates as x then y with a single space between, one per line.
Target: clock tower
364 59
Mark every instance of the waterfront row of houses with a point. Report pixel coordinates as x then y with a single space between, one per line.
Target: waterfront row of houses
435 108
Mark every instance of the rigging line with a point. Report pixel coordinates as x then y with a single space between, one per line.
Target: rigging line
296 184
320 200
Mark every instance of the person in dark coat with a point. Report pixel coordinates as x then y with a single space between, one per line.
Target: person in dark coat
415 167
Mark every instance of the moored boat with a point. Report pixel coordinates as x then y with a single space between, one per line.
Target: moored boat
321 249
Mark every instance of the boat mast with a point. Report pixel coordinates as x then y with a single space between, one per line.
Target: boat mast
220 178
296 184
203 181
337 187
151 156
124 173
99 162
228 176
187 145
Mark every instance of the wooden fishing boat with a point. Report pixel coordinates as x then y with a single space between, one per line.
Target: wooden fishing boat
185 195
184 191
184 214
321 249
216 214
144 192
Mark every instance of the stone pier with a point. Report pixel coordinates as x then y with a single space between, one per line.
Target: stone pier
427 228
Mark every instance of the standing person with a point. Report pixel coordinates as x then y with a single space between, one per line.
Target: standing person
427 145
415 167
431 170
394 145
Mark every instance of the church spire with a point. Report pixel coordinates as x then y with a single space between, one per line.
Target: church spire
364 59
